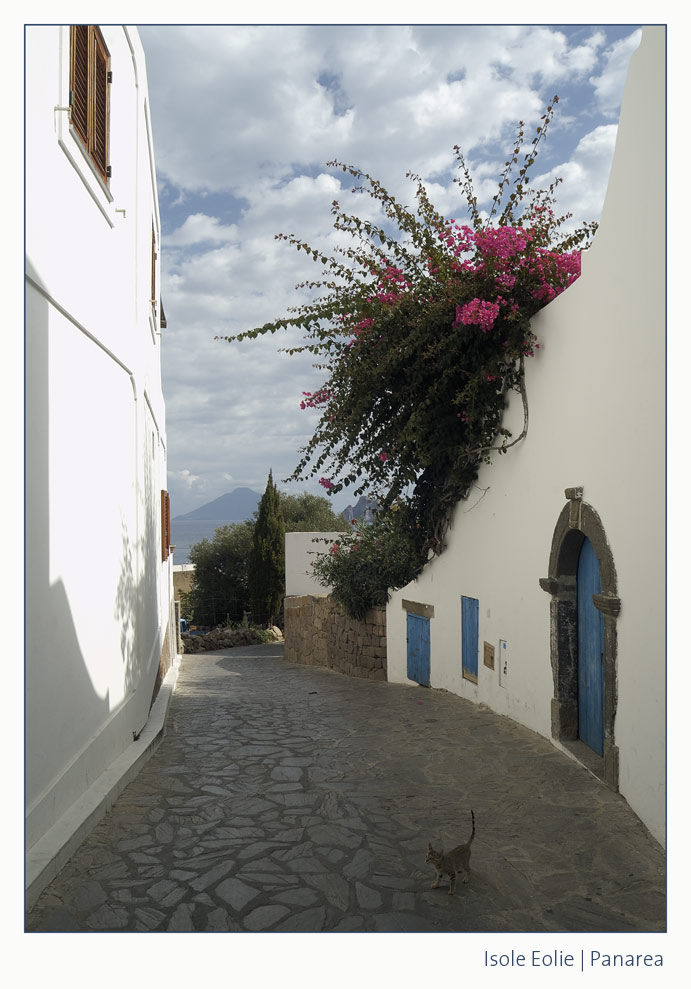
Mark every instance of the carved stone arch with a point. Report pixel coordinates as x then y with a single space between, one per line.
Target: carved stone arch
579 521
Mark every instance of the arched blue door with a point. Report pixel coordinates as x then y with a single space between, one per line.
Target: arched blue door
591 647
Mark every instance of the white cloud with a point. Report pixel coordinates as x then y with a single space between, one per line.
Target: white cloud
585 176
609 85
199 228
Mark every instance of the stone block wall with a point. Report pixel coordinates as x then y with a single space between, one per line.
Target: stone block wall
183 576
318 632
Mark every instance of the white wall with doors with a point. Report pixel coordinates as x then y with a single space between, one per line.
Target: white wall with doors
588 483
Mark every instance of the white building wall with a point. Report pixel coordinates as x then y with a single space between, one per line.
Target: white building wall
596 393
99 597
302 549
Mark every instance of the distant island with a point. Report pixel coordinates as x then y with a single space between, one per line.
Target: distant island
236 506
363 508
242 503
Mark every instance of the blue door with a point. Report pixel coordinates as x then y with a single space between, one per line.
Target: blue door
470 611
418 649
591 647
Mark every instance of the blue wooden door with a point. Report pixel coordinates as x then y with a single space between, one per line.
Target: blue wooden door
591 646
470 611
417 629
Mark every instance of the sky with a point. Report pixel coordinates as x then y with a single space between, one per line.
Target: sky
245 118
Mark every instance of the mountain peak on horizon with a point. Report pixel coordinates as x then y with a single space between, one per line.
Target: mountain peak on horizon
235 506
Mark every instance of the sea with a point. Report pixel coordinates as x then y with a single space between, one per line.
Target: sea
186 532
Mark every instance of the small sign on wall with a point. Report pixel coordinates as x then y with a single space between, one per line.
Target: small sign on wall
503 662
489 655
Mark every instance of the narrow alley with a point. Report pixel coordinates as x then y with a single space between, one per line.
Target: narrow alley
292 799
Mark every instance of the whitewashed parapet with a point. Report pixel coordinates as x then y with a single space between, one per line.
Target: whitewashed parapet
301 551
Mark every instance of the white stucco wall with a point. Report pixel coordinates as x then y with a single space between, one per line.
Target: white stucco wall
301 549
98 594
596 393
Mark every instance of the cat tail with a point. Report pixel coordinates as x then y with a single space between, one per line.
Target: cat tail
472 833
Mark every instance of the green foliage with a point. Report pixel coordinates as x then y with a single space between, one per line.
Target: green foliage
310 513
422 329
370 559
220 586
266 571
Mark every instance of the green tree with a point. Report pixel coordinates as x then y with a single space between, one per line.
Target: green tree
266 573
310 513
220 589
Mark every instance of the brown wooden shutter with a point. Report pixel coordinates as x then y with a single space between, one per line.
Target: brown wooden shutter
89 97
79 79
153 264
99 143
165 525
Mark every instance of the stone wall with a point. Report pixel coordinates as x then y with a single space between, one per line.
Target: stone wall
229 638
183 576
318 633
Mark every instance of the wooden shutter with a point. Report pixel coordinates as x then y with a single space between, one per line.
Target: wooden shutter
89 82
79 79
99 142
165 525
470 618
153 264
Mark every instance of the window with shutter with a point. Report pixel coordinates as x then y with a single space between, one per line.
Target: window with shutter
153 264
89 82
165 525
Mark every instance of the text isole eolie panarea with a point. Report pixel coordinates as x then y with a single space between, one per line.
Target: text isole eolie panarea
562 959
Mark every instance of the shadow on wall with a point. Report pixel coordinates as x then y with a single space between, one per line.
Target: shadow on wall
61 706
138 624
64 710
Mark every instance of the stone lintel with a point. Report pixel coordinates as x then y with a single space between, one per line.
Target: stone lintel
416 608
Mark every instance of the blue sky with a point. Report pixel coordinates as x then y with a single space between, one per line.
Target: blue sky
245 118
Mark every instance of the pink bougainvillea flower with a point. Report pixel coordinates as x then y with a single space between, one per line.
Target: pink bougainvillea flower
313 399
479 312
326 483
383 456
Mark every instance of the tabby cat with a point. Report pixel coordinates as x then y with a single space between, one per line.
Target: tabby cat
455 860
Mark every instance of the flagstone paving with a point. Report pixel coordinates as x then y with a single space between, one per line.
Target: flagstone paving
293 799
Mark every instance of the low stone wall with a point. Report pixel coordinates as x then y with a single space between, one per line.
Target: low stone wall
318 633
229 638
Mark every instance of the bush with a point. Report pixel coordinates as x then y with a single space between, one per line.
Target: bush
370 560
423 328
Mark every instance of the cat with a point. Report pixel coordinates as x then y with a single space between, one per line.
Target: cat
455 860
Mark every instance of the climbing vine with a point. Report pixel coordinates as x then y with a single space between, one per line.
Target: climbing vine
421 326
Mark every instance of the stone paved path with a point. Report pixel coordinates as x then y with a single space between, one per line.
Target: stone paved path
287 798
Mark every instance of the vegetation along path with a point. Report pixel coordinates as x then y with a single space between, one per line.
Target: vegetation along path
288 798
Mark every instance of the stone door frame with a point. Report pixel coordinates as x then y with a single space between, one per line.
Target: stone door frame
577 521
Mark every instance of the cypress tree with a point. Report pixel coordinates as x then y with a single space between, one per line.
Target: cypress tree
266 572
